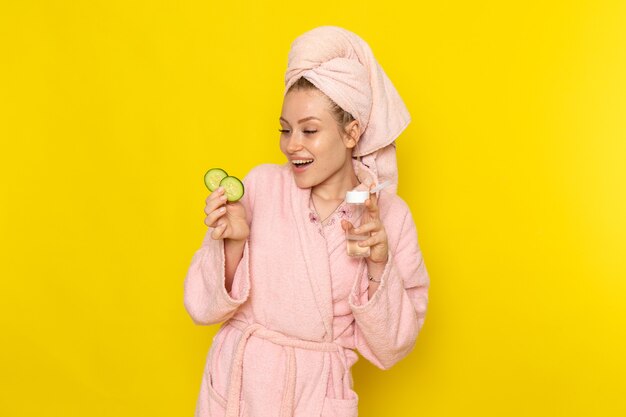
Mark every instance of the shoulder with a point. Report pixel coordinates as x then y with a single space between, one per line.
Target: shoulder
267 182
266 171
259 185
265 174
391 204
394 213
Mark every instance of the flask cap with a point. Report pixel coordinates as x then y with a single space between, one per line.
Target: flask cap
357 197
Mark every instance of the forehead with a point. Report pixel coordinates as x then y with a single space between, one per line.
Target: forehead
303 103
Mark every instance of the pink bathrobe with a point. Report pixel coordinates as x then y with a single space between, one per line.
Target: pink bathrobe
299 306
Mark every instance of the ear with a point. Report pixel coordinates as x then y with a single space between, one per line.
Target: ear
352 134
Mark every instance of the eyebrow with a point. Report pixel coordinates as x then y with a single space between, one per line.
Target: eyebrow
302 120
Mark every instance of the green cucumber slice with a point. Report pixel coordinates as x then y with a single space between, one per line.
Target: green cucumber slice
213 177
233 188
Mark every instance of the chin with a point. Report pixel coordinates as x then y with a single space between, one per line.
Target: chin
301 183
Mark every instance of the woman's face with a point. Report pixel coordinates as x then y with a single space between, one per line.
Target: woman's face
312 141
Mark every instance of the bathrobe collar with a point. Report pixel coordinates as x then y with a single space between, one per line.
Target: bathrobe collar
313 244
315 255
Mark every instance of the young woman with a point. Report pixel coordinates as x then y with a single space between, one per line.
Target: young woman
273 267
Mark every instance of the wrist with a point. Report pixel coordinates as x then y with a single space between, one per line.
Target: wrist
378 265
375 270
373 262
371 278
234 243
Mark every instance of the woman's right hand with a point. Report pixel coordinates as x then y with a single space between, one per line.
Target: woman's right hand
227 219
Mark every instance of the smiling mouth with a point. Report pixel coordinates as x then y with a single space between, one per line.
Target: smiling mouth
301 163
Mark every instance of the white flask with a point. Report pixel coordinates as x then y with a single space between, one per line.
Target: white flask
356 202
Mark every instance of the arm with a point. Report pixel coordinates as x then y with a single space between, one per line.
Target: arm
387 324
207 299
375 270
218 279
233 252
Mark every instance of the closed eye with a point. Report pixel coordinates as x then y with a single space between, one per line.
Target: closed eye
309 131
283 130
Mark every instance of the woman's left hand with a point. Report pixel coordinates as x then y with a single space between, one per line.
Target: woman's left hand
377 242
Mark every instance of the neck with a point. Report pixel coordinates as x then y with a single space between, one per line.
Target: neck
335 188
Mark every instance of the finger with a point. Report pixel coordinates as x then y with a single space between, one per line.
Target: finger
373 226
376 238
215 194
346 225
218 232
214 216
372 205
372 241
212 203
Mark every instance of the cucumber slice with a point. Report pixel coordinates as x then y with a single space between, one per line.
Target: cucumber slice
213 177
233 188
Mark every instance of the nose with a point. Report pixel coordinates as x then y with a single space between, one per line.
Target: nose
294 143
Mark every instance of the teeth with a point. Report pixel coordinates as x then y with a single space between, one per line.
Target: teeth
301 161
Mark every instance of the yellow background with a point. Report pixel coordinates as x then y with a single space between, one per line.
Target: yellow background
513 166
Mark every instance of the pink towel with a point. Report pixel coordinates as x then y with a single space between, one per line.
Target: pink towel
343 67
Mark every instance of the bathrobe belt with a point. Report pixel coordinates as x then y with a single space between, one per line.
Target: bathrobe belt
233 396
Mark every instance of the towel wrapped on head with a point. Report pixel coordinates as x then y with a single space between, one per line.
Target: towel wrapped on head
342 66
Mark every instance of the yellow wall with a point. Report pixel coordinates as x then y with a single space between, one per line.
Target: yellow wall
514 168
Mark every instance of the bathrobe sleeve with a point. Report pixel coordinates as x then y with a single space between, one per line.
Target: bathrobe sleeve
205 296
387 324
